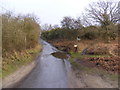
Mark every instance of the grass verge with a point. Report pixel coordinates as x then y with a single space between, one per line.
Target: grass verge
12 61
79 56
78 63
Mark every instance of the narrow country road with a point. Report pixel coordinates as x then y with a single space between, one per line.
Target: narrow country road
50 72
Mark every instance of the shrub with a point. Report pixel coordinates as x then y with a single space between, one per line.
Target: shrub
19 32
90 35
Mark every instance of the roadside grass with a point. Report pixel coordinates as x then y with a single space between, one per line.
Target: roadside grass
79 56
88 69
14 61
73 63
100 72
77 60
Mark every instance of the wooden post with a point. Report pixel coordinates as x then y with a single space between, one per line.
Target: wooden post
76 48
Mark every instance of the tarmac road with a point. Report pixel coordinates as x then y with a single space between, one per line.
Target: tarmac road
50 71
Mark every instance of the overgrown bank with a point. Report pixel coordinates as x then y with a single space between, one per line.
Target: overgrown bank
20 36
99 63
14 61
102 54
99 38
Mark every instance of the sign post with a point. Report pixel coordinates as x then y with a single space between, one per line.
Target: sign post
75 45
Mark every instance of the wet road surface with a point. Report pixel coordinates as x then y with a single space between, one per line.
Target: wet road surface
50 72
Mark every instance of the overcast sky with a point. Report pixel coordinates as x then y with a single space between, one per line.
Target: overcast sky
49 11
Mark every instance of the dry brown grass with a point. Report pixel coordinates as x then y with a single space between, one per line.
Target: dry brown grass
94 46
108 63
11 62
110 59
104 48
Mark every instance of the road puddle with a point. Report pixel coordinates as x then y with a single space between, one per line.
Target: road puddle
60 55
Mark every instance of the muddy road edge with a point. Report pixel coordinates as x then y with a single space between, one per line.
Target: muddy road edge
14 79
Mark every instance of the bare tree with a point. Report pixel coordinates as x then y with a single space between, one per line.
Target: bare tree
85 20
46 27
71 23
67 22
119 11
77 23
103 13
56 26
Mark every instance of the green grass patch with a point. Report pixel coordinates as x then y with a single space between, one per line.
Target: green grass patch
79 56
90 70
74 64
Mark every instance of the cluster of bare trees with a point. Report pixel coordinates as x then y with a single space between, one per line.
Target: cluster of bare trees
104 15
71 23
101 13
47 27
